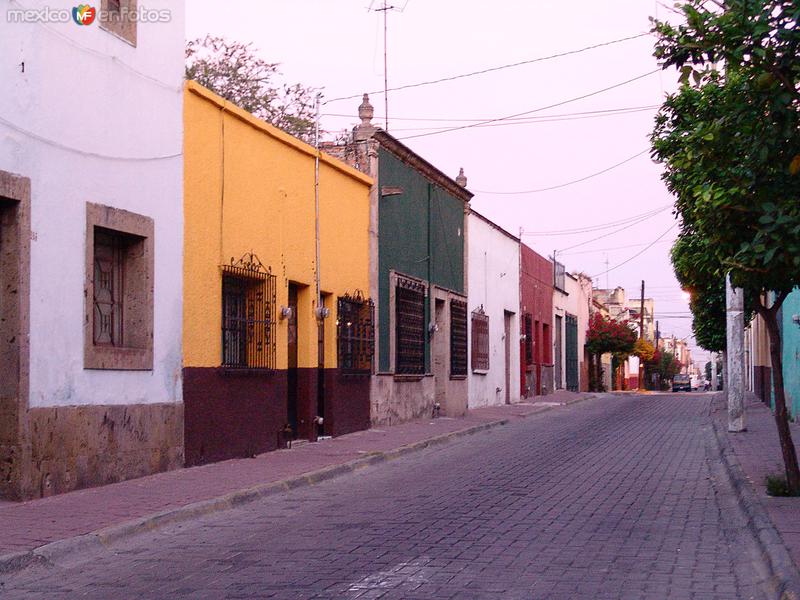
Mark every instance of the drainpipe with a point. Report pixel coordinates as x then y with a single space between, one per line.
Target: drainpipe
316 209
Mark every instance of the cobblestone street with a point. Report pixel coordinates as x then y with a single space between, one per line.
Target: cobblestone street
617 497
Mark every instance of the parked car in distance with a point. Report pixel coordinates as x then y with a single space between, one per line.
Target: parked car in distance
681 383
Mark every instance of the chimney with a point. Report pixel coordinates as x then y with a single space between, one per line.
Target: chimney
461 179
366 111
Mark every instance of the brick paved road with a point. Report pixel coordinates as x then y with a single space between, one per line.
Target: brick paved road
611 498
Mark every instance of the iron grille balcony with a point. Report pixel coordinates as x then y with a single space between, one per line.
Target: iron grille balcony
248 315
355 331
458 338
480 340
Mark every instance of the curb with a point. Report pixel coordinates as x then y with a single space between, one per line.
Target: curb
61 551
784 581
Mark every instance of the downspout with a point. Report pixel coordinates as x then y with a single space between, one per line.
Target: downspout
316 210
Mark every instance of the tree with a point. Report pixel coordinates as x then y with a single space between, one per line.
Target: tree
665 365
730 145
234 71
607 335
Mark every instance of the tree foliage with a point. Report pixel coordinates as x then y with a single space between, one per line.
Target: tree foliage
607 335
234 71
644 350
731 150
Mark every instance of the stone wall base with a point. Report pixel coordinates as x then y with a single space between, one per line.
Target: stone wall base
74 447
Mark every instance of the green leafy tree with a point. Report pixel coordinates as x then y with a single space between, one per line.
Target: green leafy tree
700 272
234 71
730 145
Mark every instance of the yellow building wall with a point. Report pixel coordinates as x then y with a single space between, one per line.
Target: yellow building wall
249 187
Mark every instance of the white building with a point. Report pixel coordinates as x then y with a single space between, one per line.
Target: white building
493 292
91 193
572 298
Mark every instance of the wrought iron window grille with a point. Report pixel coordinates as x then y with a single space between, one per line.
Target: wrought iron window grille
355 333
248 314
410 329
480 340
458 338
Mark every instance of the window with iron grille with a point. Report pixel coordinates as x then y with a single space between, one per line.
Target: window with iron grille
458 338
480 340
409 327
355 332
528 324
248 315
109 261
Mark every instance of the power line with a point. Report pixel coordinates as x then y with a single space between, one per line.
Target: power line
609 249
492 69
534 120
568 183
650 245
450 120
597 227
605 235
528 112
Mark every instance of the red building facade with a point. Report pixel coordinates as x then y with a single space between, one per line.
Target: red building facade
536 311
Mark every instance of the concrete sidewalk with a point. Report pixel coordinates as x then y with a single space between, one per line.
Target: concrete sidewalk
756 454
93 517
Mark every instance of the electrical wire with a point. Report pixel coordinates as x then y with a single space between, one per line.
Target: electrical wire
61 146
568 183
535 110
650 245
596 227
448 120
533 120
610 249
492 69
605 235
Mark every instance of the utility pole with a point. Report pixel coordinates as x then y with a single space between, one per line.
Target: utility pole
641 314
714 371
734 371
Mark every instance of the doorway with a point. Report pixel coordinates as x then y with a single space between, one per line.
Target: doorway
507 353
291 373
440 360
559 383
320 427
15 236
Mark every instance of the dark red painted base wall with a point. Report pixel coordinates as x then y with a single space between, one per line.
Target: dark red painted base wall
231 415
346 402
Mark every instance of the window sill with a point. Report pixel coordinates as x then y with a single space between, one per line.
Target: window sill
109 358
409 377
457 377
480 371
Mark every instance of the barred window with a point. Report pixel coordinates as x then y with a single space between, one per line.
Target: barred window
355 331
410 326
528 324
248 315
458 338
480 340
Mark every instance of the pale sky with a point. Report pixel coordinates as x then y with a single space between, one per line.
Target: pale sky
337 45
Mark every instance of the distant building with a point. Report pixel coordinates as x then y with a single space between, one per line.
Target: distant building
536 300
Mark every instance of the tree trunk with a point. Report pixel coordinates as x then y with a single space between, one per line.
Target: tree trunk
781 414
600 384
